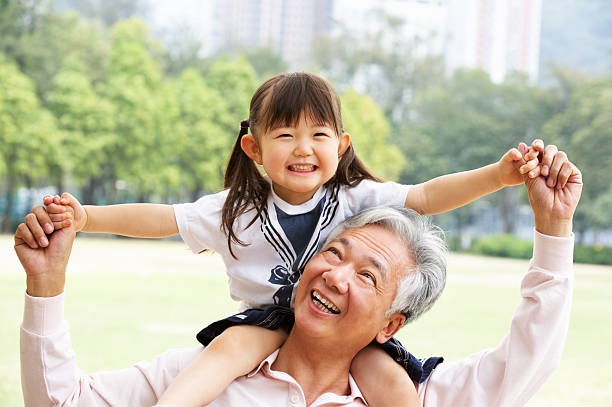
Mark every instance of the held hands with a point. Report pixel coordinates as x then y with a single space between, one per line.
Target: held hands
553 203
57 209
45 266
532 162
60 212
553 183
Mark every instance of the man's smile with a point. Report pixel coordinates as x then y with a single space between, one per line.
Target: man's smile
323 303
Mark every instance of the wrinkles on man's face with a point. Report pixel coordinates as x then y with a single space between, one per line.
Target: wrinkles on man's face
358 274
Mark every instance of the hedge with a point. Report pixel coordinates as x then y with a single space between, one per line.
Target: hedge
503 245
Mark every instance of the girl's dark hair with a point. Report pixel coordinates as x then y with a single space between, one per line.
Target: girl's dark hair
280 102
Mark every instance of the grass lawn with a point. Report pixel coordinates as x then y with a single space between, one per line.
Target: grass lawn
129 300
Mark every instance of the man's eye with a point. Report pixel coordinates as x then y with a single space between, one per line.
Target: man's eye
334 251
369 276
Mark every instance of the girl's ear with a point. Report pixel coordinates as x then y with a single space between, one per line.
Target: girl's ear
250 148
345 142
394 323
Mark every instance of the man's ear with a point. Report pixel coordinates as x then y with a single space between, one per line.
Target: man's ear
394 323
345 142
250 148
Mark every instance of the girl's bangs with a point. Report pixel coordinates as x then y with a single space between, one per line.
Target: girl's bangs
288 99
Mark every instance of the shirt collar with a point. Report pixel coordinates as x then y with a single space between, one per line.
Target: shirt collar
265 364
295 209
265 368
355 392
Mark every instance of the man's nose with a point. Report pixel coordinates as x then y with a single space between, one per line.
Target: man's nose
338 278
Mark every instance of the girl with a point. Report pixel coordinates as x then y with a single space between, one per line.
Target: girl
267 227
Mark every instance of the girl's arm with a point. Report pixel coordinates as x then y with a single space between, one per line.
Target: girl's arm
451 191
135 220
234 353
382 380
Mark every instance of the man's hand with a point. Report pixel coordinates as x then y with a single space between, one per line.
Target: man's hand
45 267
38 224
554 206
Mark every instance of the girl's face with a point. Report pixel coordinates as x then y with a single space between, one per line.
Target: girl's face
299 159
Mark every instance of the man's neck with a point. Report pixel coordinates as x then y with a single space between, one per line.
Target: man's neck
317 370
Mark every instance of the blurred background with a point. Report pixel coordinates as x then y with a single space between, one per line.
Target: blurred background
135 100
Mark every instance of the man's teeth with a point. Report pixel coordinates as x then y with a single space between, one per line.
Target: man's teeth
302 167
323 304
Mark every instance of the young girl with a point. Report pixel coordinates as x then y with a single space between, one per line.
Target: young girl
267 227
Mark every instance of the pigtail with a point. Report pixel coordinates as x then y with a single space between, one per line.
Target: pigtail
246 187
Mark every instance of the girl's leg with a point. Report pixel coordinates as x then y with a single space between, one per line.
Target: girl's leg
234 353
382 381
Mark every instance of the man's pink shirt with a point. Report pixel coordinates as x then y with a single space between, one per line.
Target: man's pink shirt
507 375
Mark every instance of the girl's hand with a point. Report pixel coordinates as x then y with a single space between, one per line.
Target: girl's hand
59 208
519 161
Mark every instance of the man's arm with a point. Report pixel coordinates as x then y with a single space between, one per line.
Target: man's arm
511 373
50 375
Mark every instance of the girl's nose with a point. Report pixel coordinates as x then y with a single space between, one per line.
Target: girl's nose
303 148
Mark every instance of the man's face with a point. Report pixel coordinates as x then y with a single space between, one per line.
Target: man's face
347 288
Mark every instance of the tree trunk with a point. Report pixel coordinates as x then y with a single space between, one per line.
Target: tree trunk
195 193
507 210
11 182
112 193
88 192
60 182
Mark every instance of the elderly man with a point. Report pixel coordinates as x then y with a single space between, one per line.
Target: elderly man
379 269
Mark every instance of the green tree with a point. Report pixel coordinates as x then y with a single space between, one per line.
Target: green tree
86 119
235 79
143 111
468 122
370 131
266 62
28 136
39 40
203 142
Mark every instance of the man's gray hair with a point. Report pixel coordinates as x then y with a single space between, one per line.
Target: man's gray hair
426 276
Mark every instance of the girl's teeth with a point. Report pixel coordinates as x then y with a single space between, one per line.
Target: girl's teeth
302 167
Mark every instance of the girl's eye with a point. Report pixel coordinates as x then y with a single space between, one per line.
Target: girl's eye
321 135
284 135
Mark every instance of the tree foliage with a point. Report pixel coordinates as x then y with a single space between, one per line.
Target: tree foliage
370 131
28 136
584 128
102 105
203 130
